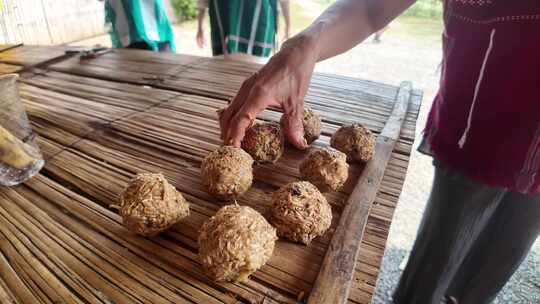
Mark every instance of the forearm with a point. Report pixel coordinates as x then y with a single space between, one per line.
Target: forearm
348 22
200 17
286 13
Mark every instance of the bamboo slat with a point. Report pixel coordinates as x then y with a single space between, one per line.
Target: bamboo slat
29 55
8 68
101 121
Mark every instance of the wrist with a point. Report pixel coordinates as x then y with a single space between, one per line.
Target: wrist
305 43
311 38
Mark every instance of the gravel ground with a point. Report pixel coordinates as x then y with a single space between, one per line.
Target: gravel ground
399 57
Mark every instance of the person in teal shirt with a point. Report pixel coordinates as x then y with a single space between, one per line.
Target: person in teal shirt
242 29
139 24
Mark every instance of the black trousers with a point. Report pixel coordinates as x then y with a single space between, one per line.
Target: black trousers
471 240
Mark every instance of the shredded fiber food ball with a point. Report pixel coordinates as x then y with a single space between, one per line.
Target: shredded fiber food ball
227 172
264 142
354 140
300 212
234 243
312 125
149 204
326 168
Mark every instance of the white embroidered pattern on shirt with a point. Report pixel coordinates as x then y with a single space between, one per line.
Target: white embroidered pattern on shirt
474 2
514 18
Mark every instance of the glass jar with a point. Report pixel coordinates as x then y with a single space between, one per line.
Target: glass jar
20 158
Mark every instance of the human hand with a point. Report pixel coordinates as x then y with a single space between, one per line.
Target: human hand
283 83
200 38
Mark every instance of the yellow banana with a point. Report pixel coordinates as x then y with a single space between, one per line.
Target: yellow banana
12 152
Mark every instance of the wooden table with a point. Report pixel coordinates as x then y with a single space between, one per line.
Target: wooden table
100 121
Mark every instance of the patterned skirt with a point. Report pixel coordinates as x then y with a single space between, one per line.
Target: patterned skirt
243 26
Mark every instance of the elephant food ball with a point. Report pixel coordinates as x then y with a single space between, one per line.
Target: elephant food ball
149 204
326 168
356 141
227 172
235 242
264 142
312 125
300 212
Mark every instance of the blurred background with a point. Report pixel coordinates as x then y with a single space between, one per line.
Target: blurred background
410 49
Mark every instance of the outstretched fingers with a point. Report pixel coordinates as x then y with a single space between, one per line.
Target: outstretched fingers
257 101
226 115
293 127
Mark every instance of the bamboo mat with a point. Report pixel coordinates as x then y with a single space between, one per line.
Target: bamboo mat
103 120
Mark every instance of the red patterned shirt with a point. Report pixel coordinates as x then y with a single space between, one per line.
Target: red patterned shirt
485 119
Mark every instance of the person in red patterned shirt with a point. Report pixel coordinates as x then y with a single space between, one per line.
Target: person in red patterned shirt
483 214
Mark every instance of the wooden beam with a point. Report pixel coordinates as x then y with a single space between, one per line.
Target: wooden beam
336 272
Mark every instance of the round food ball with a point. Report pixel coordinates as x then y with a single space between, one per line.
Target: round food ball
356 141
264 142
300 212
312 125
149 204
235 242
326 168
227 172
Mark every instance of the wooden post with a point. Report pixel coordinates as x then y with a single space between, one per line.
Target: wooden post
336 272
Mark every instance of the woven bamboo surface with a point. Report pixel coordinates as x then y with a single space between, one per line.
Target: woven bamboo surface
100 121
